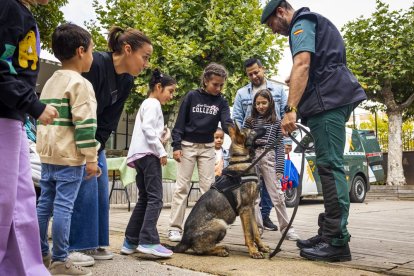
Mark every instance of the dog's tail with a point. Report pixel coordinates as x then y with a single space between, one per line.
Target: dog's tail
181 247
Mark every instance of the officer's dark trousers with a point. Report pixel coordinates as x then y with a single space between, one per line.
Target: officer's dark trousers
328 130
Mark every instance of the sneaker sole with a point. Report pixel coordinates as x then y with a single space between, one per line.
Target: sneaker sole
340 258
271 229
154 252
84 264
127 251
103 257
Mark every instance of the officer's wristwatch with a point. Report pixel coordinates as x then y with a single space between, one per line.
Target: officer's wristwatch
290 109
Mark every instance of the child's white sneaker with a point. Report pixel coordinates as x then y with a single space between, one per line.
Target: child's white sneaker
174 235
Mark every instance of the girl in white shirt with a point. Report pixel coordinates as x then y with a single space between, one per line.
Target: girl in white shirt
146 154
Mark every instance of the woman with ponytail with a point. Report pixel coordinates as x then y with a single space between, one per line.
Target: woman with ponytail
112 76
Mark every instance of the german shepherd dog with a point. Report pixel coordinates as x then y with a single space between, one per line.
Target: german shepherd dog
210 217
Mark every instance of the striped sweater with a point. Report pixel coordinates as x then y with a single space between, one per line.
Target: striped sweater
70 140
273 132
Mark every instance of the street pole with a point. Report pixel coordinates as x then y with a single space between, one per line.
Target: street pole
353 117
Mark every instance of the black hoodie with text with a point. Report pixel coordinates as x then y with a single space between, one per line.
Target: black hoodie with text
199 116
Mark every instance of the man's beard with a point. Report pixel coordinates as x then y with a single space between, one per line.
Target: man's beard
261 81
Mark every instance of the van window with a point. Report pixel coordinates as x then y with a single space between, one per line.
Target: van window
356 144
369 141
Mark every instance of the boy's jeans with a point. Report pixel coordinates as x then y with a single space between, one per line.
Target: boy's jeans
60 186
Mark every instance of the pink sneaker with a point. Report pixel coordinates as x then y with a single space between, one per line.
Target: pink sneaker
155 249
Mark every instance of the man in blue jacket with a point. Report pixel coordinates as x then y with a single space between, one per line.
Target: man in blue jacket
242 110
323 92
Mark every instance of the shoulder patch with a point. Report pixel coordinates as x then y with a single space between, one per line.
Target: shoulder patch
7 57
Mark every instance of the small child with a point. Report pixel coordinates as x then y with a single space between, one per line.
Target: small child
19 67
221 153
193 140
65 146
271 165
147 154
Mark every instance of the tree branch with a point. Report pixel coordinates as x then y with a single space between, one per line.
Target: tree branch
408 102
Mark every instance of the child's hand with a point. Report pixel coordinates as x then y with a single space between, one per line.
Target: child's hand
92 170
177 155
48 115
166 135
163 160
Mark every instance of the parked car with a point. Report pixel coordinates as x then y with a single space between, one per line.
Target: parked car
362 166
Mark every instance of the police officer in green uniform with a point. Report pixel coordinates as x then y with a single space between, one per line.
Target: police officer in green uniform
323 93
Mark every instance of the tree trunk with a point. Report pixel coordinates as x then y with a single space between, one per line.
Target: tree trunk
395 172
172 117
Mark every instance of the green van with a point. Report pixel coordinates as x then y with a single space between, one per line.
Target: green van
363 166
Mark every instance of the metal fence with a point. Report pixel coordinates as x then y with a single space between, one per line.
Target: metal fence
407 141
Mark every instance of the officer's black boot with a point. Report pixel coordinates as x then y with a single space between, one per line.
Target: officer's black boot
327 252
311 242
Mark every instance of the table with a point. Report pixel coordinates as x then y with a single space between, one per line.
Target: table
127 174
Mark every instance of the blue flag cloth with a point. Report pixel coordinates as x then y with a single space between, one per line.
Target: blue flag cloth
290 176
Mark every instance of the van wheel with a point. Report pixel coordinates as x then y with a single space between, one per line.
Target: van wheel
358 190
291 197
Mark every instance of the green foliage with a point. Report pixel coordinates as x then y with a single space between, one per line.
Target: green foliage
187 35
382 131
380 52
48 17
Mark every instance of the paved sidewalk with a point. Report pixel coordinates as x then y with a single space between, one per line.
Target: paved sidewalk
382 242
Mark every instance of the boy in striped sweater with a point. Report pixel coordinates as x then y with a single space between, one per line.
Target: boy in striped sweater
66 145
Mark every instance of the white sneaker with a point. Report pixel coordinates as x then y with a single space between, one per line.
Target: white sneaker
174 235
100 254
292 236
81 259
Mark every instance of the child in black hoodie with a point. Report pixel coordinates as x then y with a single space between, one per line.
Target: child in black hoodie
193 139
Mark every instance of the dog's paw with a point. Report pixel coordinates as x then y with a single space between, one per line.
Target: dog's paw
257 255
223 253
264 249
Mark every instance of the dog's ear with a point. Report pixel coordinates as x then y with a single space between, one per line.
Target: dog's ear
232 131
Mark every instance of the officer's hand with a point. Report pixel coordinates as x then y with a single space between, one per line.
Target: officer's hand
289 123
48 115
177 155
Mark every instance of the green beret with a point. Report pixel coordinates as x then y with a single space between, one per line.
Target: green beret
269 9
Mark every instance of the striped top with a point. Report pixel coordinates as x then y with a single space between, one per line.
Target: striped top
273 132
70 140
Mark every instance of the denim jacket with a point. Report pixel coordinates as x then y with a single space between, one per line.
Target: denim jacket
242 107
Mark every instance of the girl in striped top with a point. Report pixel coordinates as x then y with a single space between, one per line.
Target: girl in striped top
270 167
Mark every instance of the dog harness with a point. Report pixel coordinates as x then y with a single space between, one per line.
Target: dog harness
229 181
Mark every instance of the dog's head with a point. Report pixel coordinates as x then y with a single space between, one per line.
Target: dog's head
242 141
